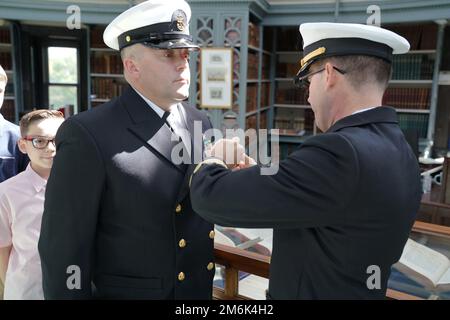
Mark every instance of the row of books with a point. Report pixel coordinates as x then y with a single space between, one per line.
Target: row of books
402 98
96 36
263 120
412 67
407 98
253 65
414 121
265 67
405 67
291 96
420 36
6 60
265 95
109 63
268 38
294 121
251 98
251 121
289 39
296 125
104 88
8 110
253 35
5 36
287 70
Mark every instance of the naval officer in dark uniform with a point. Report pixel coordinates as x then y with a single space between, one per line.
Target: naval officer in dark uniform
342 205
118 222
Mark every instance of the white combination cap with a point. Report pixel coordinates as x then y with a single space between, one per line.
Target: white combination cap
323 39
162 24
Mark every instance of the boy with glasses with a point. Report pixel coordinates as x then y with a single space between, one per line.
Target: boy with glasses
22 204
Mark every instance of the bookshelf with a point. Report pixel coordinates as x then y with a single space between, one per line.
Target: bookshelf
292 114
106 70
410 89
8 109
258 88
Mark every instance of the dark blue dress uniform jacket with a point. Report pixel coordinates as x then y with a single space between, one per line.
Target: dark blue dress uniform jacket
118 208
342 202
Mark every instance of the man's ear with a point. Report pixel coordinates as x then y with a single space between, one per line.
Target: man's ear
21 143
331 75
131 67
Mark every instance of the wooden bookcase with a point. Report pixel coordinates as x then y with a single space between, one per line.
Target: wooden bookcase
106 70
258 77
409 90
292 115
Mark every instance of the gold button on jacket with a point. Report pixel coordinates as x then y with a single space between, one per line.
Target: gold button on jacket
178 208
212 234
210 266
181 276
182 243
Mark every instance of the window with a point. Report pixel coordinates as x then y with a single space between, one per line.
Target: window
63 85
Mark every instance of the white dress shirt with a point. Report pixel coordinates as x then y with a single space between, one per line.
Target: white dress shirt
175 120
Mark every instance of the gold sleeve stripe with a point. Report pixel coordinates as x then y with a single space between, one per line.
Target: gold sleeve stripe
207 161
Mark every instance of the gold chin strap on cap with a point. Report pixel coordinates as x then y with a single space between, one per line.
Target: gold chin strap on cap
312 55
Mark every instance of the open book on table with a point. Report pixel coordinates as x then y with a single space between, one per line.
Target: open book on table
255 240
426 266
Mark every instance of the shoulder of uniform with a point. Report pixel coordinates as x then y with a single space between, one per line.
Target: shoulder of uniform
329 140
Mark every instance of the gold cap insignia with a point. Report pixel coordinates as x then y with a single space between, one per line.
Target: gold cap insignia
179 20
180 23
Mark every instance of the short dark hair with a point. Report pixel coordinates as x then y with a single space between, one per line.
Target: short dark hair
35 116
361 70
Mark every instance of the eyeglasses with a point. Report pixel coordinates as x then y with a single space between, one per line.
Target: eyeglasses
40 142
305 81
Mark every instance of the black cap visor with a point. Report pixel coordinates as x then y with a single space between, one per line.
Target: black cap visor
177 43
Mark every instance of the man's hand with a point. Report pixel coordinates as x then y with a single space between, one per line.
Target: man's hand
232 153
246 163
229 151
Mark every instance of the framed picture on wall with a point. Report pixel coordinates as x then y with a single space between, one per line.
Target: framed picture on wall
216 86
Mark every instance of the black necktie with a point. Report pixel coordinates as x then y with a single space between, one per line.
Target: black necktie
164 117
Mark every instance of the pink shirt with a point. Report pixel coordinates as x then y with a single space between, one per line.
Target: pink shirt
21 207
